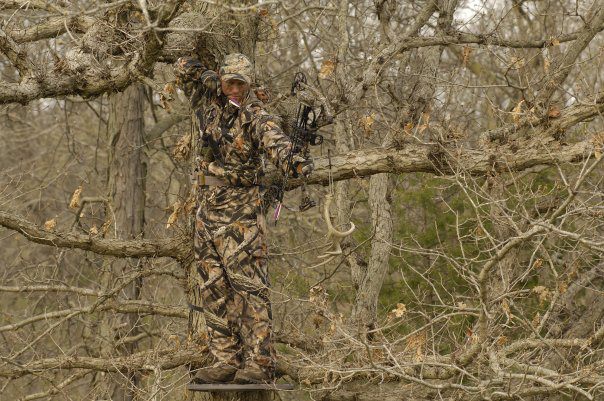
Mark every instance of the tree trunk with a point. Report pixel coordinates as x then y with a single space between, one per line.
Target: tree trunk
364 312
126 187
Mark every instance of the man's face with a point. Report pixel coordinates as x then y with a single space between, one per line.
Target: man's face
235 89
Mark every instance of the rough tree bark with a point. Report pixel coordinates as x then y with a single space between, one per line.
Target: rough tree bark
126 187
368 288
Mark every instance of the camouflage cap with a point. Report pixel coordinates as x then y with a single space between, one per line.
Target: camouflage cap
237 66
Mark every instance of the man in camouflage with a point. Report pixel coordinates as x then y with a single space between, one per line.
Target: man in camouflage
231 279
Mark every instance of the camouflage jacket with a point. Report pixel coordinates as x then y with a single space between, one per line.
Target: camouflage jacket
238 138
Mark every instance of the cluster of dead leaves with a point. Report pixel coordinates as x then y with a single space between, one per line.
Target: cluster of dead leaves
398 312
74 203
166 96
178 208
598 143
318 296
367 124
410 128
520 110
465 55
517 111
76 198
104 228
182 148
50 225
327 69
536 322
264 13
543 293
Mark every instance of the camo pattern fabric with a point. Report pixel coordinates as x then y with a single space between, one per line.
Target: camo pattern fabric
230 234
237 66
231 262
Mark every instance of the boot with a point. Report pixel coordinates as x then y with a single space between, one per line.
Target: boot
214 374
252 376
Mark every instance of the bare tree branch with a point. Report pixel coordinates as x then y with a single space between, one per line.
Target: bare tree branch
52 28
173 247
15 54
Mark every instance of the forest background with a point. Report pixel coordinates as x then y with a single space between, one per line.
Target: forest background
466 148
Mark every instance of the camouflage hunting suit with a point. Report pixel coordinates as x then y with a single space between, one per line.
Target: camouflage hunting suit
230 229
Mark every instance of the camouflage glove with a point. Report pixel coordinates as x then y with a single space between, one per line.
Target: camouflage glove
188 68
302 166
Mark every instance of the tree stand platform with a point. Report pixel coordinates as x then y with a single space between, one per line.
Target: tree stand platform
238 387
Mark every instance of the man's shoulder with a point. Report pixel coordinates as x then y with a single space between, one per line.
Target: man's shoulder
253 104
256 111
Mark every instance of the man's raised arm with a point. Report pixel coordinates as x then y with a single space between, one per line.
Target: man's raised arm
198 82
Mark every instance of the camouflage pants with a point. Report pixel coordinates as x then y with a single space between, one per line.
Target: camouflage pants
231 279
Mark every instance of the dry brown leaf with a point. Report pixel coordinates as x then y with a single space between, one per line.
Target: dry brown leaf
106 226
426 117
50 225
189 205
542 292
182 148
164 103
74 203
465 55
366 123
479 232
598 142
93 230
562 287
506 308
399 312
536 320
517 111
377 354
318 296
165 97
553 112
169 88
176 208
174 340
327 68
137 16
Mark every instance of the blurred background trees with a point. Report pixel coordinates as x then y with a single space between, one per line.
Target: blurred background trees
466 148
